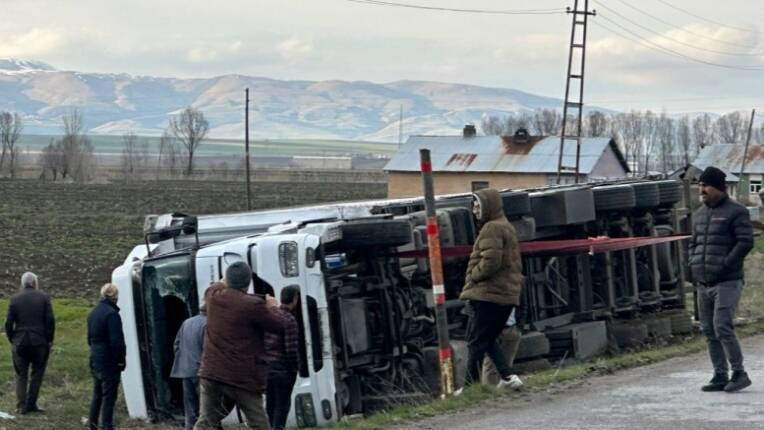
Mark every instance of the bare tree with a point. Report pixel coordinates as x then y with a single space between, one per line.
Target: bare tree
665 140
491 125
732 127
547 122
51 160
134 154
597 124
684 138
77 159
189 128
10 132
702 131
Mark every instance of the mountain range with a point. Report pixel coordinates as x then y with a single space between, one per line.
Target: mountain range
359 110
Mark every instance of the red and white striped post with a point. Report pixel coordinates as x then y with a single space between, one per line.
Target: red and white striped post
436 272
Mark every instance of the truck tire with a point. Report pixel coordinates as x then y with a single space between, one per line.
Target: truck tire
377 233
670 192
532 344
658 327
525 228
681 322
614 197
629 334
646 194
516 204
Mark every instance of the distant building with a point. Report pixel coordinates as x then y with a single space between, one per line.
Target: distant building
729 158
468 162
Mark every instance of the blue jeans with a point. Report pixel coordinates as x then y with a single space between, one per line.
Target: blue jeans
191 401
717 305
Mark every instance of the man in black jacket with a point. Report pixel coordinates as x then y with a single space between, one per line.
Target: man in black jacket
107 357
30 326
721 238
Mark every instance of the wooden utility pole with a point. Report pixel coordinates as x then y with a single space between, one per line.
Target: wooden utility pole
436 272
743 186
246 146
578 104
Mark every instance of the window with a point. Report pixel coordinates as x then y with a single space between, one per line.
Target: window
479 185
755 187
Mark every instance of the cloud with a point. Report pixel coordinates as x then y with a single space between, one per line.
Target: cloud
294 48
31 44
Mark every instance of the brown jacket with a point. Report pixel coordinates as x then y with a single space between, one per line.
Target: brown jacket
234 349
494 272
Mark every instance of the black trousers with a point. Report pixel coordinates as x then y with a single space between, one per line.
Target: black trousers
487 320
105 388
278 396
191 401
28 387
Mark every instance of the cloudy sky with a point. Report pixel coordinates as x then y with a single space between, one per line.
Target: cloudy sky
675 55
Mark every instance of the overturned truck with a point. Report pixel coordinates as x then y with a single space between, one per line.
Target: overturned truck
367 327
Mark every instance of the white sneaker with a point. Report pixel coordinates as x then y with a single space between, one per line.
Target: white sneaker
459 392
513 383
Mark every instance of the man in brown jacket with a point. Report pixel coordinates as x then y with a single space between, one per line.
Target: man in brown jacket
492 287
233 371
30 328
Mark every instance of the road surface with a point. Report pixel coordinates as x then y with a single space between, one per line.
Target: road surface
663 396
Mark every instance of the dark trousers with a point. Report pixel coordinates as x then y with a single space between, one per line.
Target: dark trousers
105 388
191 401
487 320
28 387
217 400
717 305
278 397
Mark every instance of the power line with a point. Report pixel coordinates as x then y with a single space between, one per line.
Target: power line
651 45
702 36
707 19
555 11
689 45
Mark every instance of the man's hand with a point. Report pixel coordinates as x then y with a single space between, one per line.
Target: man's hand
271 301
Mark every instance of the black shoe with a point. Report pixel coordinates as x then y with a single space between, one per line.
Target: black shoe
21 411
34 408
738 381
717 383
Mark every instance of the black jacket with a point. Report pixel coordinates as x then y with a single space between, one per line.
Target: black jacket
721 238
107 343
30 320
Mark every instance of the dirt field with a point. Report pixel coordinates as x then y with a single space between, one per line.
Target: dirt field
74 235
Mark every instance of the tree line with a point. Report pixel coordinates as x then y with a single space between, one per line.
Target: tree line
650 141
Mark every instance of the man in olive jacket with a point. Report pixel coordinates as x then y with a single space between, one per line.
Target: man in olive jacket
721 238
492 286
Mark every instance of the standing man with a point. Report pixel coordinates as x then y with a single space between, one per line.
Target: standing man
721 238
188 354
492 287
282 350
107 357
234 370
30 327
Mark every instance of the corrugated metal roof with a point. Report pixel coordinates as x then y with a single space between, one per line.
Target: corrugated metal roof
730 158
497 154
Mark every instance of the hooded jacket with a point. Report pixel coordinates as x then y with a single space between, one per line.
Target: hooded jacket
494 271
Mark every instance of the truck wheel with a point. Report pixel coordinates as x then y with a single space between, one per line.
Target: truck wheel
681 323
381 233
629 334
614 197
658 327
532 344
516 204
646 194
670 192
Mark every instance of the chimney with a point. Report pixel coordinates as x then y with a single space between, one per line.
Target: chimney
469 131
521 136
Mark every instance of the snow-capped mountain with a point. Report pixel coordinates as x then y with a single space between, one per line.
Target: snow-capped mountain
116 103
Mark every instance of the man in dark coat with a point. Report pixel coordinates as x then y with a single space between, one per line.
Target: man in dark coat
30 327
721 238
188 355
282 349
107 357
493 284
234 369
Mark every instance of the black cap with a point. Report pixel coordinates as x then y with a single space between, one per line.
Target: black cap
714 177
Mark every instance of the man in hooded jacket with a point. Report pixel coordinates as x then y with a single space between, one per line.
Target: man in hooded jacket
492 287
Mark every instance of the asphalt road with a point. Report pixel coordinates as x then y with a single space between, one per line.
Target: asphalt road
663 396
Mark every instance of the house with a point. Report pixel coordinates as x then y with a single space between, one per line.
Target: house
729 158
469 162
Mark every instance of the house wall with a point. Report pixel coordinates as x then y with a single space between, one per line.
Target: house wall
608 166
409 184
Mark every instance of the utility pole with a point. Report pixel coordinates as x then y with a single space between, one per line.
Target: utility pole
400 128
436 272
246 146
743 186
577 105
